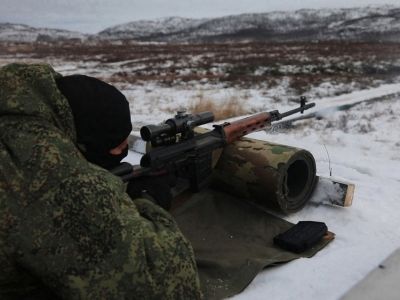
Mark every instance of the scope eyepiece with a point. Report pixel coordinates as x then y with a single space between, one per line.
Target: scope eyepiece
180 124
149 132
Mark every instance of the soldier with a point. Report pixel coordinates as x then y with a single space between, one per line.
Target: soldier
67 227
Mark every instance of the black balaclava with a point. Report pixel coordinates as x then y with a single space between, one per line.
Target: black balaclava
101 115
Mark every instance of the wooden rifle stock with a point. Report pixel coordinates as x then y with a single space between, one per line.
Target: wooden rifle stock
238 129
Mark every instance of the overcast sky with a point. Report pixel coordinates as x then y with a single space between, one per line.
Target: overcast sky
91 16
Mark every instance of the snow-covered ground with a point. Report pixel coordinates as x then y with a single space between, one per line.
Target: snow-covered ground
364 148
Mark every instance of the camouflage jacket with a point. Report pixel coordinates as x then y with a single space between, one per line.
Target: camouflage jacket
67 228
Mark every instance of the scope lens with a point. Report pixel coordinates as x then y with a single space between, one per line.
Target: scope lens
145 161
145 133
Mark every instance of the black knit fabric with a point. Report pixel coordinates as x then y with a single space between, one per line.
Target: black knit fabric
101 114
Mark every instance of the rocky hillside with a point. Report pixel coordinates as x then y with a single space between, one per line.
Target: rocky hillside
376 23
23 33
357 24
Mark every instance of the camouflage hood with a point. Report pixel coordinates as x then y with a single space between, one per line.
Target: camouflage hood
32 91
67 227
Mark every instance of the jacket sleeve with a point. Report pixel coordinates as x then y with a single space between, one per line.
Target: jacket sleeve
109 247
77 231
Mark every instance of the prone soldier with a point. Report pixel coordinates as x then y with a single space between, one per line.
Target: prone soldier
67 228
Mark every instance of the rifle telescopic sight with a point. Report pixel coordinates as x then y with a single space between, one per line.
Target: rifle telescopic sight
180 124
149 132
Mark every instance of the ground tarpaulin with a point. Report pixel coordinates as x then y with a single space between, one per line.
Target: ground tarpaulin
232 241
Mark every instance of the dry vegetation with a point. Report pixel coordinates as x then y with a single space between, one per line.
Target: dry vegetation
303 65
245 64
231 108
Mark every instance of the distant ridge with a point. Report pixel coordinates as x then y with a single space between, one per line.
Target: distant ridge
363 23
24 33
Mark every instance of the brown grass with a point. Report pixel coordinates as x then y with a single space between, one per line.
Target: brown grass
231 108
238 64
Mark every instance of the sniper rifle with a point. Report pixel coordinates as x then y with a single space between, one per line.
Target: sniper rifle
177 149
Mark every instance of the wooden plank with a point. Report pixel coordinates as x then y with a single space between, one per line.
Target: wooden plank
333 191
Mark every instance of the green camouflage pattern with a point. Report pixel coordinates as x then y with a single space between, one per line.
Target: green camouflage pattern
275 176
67 228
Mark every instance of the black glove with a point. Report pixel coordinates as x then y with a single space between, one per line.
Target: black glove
157 187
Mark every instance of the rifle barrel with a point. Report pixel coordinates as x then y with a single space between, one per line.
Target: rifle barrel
296 110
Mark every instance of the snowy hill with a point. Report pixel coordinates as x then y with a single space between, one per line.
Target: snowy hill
371 23
24 33
307 24
150 28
